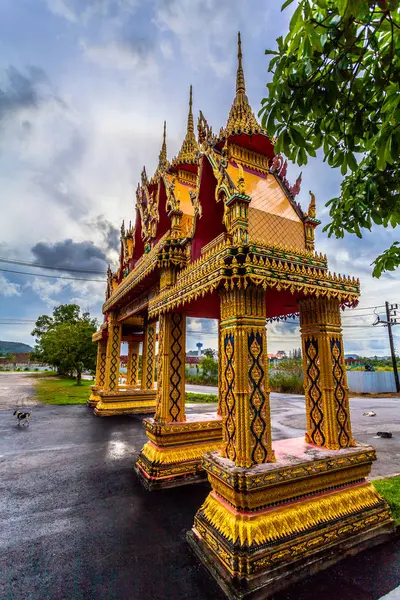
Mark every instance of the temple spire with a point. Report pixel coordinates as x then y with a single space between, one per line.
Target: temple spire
162 159
190 147
240 83
241 118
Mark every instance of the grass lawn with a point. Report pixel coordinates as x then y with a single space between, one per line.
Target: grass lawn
57 390
390 490
201 398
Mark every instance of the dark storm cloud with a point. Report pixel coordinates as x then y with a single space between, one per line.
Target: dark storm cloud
70 254
21 91
110 233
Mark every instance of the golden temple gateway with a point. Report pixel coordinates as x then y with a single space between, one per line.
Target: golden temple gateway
219 233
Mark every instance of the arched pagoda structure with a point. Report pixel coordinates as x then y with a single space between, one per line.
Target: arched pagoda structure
219 234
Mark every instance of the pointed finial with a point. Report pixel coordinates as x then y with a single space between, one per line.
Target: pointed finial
190 127
240 84
190 147
123 228
241 118
162 159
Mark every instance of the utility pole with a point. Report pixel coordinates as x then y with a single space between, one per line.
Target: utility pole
390 313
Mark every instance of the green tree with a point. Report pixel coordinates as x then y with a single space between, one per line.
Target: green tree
209 352
64 340
336 87
209 366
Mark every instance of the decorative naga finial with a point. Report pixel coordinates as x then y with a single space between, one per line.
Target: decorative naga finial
162 159
204 131
295 189
123 229
240 83
240 182
190 148
241 118
312 209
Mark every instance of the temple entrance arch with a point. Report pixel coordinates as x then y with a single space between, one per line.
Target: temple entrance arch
288 506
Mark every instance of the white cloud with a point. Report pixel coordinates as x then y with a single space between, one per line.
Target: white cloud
9 289
62 9
119 55
85 10
204 30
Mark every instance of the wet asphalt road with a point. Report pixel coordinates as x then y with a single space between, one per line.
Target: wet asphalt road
76 524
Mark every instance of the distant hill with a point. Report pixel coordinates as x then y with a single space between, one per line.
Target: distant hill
14 348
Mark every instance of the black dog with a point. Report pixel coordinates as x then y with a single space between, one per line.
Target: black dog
22 416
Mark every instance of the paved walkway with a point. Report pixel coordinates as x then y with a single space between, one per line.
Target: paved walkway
17 390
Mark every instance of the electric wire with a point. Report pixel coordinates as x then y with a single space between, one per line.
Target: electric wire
53 267
52 276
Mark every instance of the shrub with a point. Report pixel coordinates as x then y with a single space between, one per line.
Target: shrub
201 398
286 383
201 379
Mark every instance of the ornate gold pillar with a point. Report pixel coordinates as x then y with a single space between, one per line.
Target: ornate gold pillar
100 372
132 366
171 368
149 357
113 354
220 380
246 425
101 363
265 521
173 454
325 382
120 400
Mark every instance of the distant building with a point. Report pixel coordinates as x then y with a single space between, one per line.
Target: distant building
192 361
22 359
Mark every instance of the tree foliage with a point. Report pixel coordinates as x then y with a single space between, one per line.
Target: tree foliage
64 340
210 352
209 366
335 87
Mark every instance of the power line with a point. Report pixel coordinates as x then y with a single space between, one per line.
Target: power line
52 276
367 307
53 267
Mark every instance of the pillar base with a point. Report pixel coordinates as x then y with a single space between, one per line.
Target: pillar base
172 456
262 529
94 398
125 402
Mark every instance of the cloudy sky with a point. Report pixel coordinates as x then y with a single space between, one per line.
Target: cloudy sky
85 86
